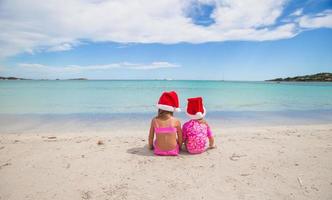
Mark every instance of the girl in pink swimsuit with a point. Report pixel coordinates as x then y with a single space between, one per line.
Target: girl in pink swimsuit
165 127
196 132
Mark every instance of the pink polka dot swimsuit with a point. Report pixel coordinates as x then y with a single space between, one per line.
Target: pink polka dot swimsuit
195 136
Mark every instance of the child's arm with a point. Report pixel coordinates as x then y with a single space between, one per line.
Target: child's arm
179 132
151 135
211 142
210 136
184 133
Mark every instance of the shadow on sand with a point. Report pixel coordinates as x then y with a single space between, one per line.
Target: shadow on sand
141 151
144 151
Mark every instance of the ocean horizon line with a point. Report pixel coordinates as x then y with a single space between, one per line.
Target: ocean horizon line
88 79
291 79
181 80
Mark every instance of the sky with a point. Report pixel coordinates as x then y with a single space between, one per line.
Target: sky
174 39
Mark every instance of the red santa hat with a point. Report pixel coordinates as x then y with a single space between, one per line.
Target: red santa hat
195 108
169 101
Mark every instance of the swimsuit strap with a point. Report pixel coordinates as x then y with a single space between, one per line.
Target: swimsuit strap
165 130
168 129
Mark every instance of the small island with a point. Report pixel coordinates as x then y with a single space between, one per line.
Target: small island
78 79
16 78
12 78
320 77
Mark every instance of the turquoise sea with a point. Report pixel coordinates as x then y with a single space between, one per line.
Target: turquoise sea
63 97
27 105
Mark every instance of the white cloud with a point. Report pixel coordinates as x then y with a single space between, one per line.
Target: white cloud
61 47
247 14
321 20
58 25
297 12
35 67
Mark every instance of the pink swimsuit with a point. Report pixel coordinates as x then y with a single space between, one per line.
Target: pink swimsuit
165 130
195 136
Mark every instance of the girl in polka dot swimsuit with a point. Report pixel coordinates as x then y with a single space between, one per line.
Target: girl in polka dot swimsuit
196 133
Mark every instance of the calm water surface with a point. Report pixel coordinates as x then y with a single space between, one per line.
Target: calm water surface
66 97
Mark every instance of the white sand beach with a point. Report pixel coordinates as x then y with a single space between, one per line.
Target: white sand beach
265 162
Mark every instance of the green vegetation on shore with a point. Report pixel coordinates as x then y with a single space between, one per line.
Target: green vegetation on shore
15 78
12 78
320 77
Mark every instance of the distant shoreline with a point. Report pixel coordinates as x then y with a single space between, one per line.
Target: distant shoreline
320 77
26 79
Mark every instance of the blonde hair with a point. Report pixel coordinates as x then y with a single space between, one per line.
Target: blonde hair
163 113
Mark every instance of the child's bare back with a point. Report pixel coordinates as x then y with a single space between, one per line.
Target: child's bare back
165 128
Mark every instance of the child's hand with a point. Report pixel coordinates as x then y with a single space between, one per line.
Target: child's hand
151 147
